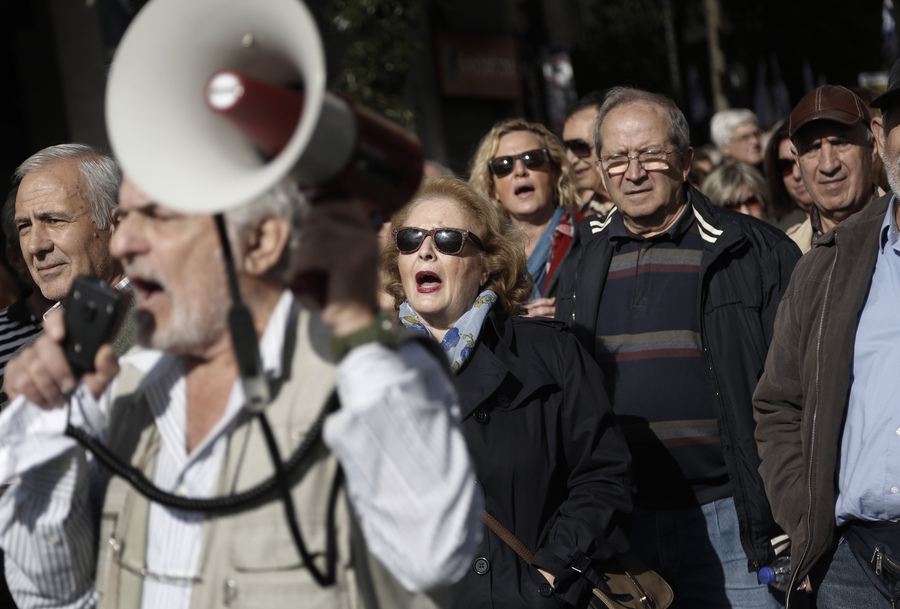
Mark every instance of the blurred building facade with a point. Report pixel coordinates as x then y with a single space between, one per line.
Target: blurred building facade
476 62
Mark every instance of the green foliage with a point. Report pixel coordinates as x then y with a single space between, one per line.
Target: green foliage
379 52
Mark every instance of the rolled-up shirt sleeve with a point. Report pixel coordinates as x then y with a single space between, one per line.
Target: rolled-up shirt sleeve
409 476
48 535
47 526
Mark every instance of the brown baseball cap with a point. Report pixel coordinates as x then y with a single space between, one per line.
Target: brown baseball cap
830 103
893 89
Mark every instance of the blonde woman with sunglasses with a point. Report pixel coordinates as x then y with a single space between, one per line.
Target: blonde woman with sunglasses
523 167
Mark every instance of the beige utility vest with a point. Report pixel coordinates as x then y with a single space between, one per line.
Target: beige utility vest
248 558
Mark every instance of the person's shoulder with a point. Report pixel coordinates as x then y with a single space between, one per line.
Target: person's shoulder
534 343
753 228
795 229
873 213
855 230
539 335
513 329
765 240
537 325
595 227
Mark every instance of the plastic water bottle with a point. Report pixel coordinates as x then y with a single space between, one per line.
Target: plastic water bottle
778 575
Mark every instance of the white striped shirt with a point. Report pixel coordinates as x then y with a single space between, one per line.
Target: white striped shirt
17 326
397 436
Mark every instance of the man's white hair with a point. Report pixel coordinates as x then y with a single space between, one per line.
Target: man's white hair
284 200
102 176
724 122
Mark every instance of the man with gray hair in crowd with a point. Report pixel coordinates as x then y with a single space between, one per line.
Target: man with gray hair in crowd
192 419
675 298
64 220
736 132
832 142
826 406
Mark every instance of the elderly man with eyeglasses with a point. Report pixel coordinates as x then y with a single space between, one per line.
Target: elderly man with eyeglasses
736 132
676 299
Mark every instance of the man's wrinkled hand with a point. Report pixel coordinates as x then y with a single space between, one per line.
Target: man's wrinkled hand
339 241
42 373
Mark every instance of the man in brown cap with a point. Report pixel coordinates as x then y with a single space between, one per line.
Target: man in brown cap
832 142
828 427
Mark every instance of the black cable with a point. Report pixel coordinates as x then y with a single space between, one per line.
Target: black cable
284 485
216 504
256 390
233 284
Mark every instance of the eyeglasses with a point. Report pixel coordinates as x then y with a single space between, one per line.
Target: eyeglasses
735 205
786 166
649 160
579 148
532 159
447 240
746 137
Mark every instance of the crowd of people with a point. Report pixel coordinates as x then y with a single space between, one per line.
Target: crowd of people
602 341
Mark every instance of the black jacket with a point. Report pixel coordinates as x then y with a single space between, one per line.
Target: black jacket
549 457
744 270
801 399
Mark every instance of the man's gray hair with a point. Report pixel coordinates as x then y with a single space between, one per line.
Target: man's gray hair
284 200
679 132
724 122
101 172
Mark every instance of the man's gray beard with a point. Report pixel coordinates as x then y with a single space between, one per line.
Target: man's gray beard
190 332
892 169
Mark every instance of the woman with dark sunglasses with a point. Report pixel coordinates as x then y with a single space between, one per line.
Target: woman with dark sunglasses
549 458
523 167
789 199
739 187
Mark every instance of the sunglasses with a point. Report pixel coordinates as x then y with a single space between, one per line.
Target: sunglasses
579 148
735 205
786 166
532 159
447 240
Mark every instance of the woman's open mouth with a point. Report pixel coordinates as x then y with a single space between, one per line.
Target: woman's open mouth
427 282
524 190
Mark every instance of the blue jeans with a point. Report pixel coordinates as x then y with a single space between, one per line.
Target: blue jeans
698 551
838 582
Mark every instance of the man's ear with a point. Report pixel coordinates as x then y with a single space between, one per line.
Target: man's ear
265 245
878 136
687 157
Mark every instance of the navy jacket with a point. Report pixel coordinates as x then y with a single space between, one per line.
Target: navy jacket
549 457
745 269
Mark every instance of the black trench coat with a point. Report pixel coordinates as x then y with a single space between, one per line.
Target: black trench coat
549 457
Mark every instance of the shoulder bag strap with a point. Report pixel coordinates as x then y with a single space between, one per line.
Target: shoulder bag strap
507 537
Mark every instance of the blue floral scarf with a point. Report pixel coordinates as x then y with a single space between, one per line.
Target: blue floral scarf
460 339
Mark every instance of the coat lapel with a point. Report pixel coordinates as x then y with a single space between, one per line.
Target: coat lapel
480 378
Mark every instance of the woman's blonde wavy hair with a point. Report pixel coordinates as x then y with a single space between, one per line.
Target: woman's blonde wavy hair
503 256
481 178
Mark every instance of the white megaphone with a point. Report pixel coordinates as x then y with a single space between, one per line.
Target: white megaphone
203 113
